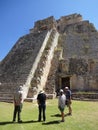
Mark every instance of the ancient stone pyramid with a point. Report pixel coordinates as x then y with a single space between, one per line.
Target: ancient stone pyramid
55 54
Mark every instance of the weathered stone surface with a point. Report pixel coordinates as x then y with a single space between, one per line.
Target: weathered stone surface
17 65
73 61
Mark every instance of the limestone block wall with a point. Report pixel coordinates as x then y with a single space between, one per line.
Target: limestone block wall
45 24
68 20
80 49
16 66
80 27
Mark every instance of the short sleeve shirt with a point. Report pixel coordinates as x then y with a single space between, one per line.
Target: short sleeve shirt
41 98
68 94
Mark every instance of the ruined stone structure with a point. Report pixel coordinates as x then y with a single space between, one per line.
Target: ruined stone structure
55 54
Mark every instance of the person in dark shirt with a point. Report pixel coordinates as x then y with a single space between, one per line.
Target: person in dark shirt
41 100
68 99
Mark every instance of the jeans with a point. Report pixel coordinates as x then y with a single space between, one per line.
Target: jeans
42 109
17 111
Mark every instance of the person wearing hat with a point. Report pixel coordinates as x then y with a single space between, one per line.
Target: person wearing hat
68 99
18 102
41 100
61 103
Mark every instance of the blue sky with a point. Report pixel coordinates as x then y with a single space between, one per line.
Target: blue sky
18 16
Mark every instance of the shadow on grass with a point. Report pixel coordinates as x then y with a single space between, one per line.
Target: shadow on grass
59 115
10 122
6 122
51 122
31 121
56 115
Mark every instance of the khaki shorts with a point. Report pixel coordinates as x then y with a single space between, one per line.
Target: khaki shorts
68 103
61 109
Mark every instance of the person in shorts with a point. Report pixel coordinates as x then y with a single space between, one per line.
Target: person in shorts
61 103
68 99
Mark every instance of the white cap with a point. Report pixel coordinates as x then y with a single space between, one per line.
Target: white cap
66 87
61 91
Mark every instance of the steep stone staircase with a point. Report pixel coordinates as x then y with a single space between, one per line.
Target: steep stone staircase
16 66
41 73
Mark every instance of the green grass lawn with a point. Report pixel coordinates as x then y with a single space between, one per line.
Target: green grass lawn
84 117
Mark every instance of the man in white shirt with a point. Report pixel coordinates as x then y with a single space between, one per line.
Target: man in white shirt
61 103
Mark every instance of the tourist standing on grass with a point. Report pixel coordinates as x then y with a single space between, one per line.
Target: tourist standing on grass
41 100
18 102
68 99
61 103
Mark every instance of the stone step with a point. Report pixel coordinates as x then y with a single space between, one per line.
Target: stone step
6 100
84 96
6 97
6 94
